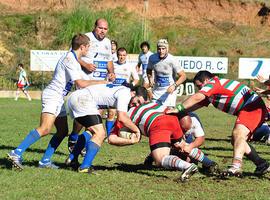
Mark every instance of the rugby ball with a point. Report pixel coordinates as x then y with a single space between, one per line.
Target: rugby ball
125 133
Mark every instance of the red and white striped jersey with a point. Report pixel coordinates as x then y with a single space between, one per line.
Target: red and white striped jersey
229 96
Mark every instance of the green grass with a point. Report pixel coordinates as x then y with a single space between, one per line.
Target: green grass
120 174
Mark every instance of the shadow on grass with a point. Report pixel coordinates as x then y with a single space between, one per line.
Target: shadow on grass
135 168
218 140
33 150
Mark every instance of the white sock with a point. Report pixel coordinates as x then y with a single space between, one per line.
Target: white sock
174 162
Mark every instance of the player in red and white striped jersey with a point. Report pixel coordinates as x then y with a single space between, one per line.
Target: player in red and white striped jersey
237 99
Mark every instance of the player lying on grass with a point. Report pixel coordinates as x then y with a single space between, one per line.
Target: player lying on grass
164 132
237 99
83 105
194 137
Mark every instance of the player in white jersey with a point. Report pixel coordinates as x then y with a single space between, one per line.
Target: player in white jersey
99 64
83 105
143 61
193 130
165 66
99 55
124 71
23 83
67 72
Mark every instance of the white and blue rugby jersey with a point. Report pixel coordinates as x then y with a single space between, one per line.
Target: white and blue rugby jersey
99 54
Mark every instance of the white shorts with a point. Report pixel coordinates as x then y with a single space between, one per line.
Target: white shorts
81 103
164 98
53 102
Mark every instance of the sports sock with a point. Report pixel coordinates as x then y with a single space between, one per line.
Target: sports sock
73 136
109 126
52 146
174 162
91 152
82 140
254 157
30 139
198 155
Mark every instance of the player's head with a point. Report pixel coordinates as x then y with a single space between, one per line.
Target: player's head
80 41
101 28
139 96
114 46
20 65
162 48
145 46
202 77
122 55
185 122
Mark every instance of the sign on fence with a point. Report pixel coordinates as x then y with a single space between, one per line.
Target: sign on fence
44 60
217 65
249 68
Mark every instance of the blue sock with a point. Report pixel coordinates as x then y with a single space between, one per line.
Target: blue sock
82 140
91 152
53 144
109 126
73 136
30 139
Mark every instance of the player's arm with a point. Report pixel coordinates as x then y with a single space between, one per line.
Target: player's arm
126 121
84 83
181 78
119 141
89 66
195 144
135 76
115 139
110 68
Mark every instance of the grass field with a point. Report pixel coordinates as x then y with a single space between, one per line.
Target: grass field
119 170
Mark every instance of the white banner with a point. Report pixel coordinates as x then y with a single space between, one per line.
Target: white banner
217 65
44 60
249 68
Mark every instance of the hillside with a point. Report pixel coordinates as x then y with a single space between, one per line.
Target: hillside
230 28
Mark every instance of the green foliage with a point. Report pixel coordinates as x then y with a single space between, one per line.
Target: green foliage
122 27
119 170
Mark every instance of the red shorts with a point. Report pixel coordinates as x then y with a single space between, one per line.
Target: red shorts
19 85
164 129
252 116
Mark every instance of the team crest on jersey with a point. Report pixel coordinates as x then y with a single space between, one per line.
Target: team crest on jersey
125 70
106 47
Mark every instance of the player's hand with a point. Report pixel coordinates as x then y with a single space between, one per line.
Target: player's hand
134 138
90 67
260 78
111 76
258 90
171 111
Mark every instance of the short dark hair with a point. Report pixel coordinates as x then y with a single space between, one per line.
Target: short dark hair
141 91
78 40
121 49
145 43
114 42
20 65
202 76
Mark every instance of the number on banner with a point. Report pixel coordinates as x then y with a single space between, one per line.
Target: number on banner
180 90
190 88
